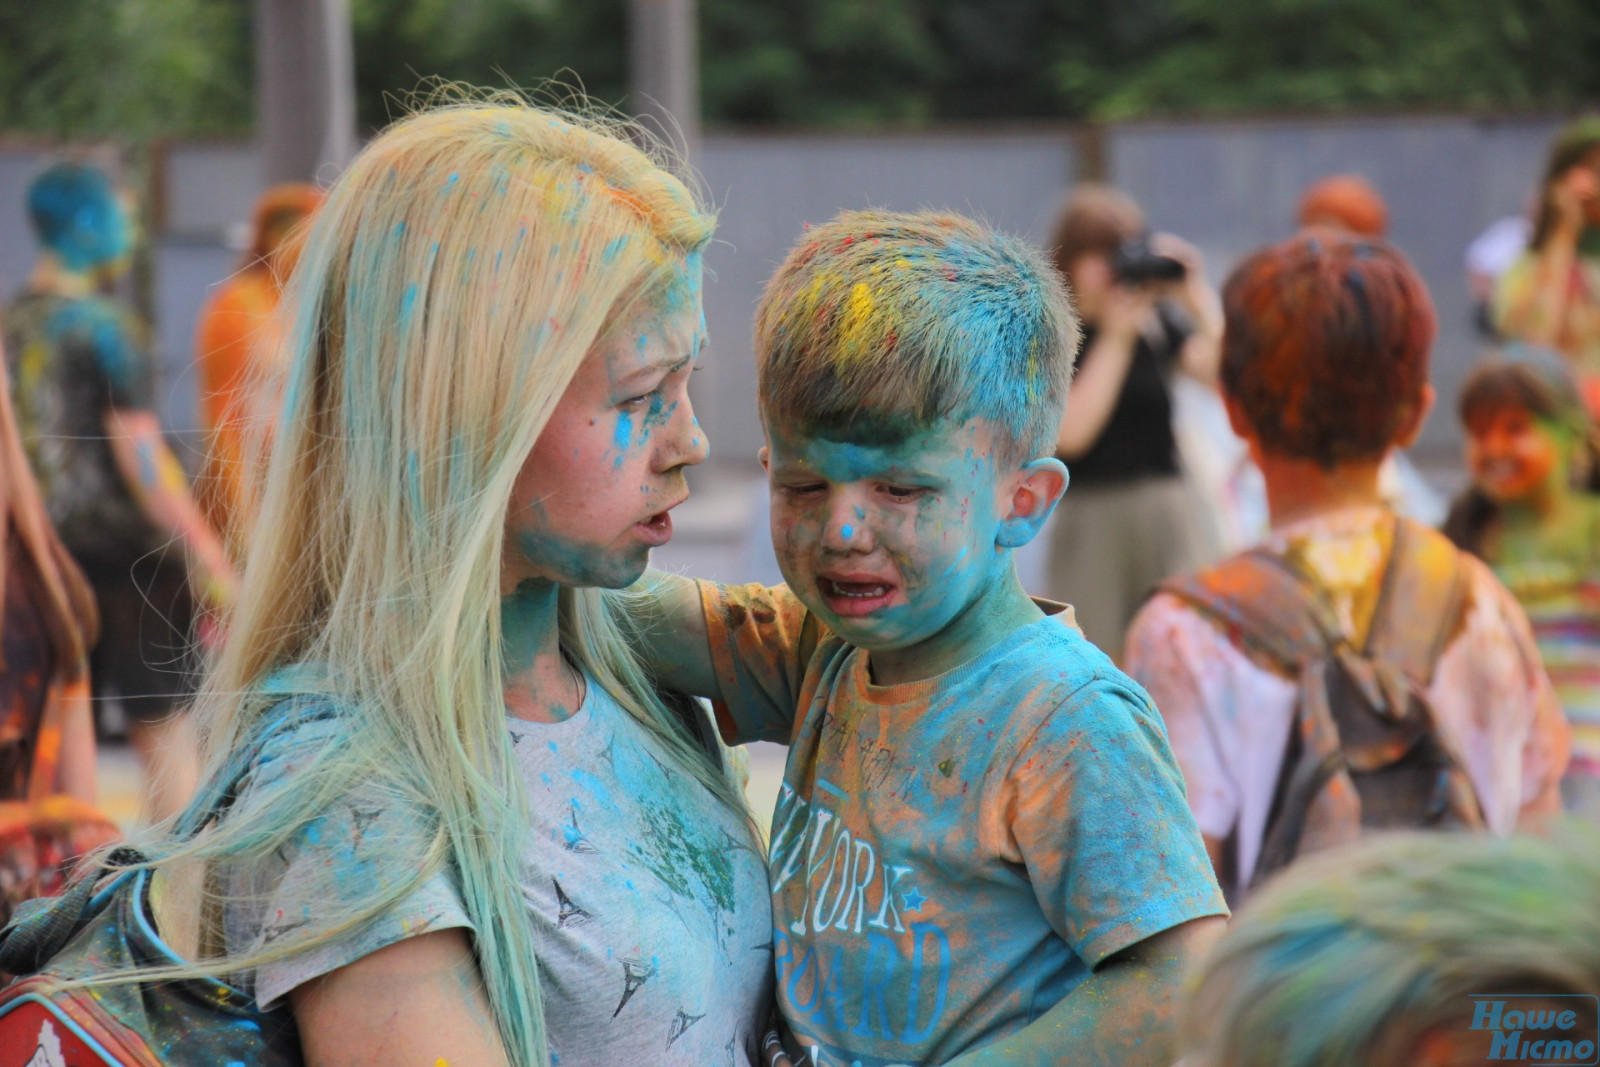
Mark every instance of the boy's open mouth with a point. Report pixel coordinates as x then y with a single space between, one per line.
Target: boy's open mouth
854 596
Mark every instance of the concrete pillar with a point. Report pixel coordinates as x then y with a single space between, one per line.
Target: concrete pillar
664 69
305 87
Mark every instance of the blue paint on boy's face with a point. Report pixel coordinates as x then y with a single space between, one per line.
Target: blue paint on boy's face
894 547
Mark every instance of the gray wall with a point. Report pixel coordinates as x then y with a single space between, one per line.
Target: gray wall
1228 186
1233 186
769 187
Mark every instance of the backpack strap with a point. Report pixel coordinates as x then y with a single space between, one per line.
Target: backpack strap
1262 604
1420 606
40 928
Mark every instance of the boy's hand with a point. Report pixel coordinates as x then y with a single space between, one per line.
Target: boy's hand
1122 1015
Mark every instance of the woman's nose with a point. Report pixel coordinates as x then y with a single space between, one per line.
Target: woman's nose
685 444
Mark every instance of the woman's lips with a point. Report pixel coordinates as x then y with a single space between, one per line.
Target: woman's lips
656 530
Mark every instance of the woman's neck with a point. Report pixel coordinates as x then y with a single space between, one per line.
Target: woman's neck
539 684
1300 489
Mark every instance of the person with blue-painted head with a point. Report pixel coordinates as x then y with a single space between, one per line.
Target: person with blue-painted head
85 392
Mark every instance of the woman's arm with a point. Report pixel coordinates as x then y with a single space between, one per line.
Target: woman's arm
1201 355
1536 310
156 479
75 768
1098 384
416 1002
1122 1015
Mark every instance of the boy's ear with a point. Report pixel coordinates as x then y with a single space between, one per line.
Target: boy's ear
1413 428
1242 427
764 454
1033 497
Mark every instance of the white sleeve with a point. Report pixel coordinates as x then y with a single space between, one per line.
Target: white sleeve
1494 701
1165 655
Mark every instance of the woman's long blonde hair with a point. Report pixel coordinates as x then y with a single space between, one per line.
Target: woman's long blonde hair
459 273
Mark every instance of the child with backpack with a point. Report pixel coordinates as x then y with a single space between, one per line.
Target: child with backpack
1355 671
1533 515
981 852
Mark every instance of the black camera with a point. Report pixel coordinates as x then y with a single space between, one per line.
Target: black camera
1134 263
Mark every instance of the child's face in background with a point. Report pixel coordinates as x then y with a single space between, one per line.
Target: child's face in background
888 544
593 495
1515 456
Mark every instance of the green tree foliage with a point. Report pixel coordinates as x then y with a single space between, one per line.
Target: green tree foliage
1229 56
144 68
133 69
403 46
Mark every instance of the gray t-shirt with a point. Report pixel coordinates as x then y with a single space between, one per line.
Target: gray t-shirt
649 898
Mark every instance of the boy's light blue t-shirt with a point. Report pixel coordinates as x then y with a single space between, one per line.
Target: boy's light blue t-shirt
951 857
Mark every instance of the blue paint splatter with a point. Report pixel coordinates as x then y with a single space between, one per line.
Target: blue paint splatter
624 435
847 531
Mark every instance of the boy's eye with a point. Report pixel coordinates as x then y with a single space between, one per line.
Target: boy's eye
801 489
905 492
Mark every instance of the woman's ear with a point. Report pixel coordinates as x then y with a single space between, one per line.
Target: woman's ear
1413 428
1034 495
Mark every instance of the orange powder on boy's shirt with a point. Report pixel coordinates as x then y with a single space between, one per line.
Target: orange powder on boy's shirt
950 857
235 337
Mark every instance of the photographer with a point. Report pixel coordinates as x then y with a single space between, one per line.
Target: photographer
1148 312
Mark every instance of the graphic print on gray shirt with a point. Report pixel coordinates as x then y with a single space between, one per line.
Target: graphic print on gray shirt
649 898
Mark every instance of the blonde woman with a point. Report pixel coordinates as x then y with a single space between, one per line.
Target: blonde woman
468 830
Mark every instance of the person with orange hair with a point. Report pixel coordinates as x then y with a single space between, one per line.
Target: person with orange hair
1344 202
1355 669
233 347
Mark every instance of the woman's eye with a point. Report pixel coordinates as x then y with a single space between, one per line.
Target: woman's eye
801 489
642 401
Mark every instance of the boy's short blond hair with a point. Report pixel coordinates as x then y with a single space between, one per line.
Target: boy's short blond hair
879 324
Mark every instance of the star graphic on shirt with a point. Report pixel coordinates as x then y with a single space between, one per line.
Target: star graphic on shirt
575 839
269 934
635 973
912 901
733 844
680 1025
363 819
570 914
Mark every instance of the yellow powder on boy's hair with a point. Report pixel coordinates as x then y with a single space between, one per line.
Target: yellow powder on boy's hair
857 321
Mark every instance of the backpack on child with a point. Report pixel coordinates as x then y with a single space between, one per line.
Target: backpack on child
1365 751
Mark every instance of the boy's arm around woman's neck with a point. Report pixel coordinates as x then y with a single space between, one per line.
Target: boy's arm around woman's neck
667 631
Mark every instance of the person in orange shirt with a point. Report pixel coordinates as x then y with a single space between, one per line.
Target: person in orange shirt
233 346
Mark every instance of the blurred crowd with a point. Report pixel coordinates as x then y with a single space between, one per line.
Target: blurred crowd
1236 512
